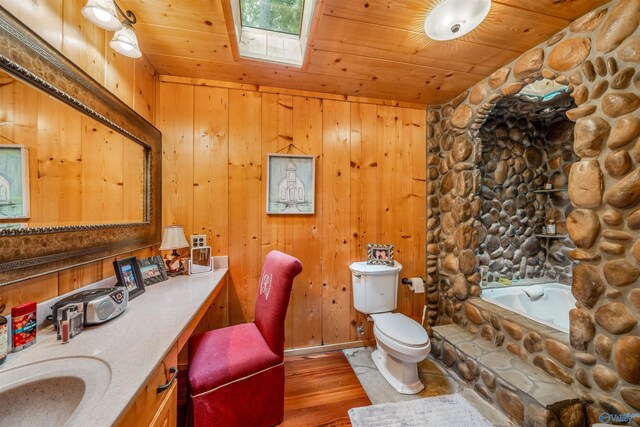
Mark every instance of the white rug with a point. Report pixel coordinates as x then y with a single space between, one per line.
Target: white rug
451 410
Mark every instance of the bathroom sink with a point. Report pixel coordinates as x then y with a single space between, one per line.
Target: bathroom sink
54 392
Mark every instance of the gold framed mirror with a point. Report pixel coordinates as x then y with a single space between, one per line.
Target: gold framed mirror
117 203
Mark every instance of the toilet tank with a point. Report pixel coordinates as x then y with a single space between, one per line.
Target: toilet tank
375 287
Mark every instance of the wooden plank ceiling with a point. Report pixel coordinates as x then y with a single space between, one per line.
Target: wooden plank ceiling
361 48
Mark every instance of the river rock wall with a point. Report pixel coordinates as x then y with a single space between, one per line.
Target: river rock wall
598 56
526 144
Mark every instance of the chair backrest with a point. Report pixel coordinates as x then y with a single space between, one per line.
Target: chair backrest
274 290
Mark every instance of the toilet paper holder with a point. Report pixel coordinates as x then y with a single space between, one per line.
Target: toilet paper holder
415 284
407 281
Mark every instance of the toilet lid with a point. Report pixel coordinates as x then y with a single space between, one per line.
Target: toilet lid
401 328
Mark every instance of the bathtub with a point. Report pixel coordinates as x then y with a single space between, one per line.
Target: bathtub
547 303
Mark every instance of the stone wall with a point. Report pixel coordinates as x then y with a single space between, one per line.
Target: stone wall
526 143
598 55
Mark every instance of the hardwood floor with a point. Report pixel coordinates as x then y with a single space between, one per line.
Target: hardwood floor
320 389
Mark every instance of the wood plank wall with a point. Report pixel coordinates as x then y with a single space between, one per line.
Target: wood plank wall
62 25
370 188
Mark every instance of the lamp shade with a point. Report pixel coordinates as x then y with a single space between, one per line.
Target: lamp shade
125 41
103 14
454 18
173 238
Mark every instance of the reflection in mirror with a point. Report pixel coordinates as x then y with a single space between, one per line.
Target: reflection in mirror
80 172
200 261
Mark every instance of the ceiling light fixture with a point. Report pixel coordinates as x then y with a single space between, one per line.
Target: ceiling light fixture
125 42
454 18
104 14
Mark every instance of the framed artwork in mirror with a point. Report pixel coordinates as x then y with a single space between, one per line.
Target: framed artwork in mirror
153 270
14 182
200 261
129 276
379 254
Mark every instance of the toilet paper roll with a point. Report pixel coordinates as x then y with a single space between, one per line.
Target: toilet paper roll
417 285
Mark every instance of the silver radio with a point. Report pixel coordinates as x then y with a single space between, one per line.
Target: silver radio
100 304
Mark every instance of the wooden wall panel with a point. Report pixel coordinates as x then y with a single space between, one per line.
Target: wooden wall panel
61 24
245 210
365 195
211 166
336 277
369 189
305 309
175 121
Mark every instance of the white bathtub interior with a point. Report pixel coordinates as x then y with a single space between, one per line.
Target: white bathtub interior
547 303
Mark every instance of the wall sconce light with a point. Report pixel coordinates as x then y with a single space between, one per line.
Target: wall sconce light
104 14
454 18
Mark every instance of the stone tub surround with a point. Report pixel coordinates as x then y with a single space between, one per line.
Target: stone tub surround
526 395
437 378
541 347
132 344
525 145
598 56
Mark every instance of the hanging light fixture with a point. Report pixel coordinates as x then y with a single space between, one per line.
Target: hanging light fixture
125 42
454 18
103 14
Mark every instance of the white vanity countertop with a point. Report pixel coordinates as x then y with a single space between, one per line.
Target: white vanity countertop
132 344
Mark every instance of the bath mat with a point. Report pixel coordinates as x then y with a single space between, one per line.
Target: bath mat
450 410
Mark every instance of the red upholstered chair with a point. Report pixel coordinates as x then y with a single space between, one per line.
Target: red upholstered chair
236 374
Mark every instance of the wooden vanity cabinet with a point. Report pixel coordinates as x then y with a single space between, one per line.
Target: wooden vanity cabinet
151 408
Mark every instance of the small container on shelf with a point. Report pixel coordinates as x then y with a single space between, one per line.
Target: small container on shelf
551 227
548 186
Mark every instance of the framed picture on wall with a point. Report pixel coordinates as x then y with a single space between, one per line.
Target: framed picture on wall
14 182
129 276
291 181
379 254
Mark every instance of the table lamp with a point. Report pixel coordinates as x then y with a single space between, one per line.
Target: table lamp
173 239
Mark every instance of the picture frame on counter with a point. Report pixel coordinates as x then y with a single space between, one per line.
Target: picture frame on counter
129 276
152 270
379 254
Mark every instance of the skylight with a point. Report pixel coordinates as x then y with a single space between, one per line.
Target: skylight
283 16
272 30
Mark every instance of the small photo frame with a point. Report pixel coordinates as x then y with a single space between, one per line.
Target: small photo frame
129 276
379 254
152 270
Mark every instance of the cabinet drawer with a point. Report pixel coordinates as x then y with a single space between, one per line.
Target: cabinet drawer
148 401
167 415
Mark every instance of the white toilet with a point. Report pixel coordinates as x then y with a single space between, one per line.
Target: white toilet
401 341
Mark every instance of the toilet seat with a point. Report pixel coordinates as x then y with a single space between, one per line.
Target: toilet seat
401 329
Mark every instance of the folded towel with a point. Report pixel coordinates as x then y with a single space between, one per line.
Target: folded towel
534 292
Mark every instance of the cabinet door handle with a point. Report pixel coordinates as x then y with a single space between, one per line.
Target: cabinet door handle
174 374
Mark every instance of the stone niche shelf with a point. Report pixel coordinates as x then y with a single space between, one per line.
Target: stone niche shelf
522 392
547 236
553 190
